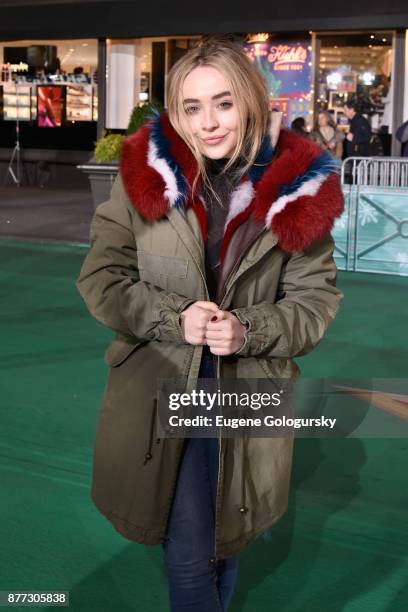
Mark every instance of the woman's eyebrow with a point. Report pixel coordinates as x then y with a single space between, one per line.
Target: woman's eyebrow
220 95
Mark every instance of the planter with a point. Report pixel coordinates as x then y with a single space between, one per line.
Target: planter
101 176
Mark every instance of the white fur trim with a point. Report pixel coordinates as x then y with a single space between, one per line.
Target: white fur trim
161 166
241 198
309 188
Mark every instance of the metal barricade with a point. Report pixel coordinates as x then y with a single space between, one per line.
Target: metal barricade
372 233
375 171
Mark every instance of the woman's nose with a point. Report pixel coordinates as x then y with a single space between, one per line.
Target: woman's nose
209 120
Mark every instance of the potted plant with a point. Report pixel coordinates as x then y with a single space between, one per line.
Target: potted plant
103 167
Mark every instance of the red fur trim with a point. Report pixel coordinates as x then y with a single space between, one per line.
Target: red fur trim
298 225
293 158
308 218
144 186
179 150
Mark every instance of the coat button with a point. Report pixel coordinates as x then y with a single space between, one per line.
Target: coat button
211 561
148 455
243 509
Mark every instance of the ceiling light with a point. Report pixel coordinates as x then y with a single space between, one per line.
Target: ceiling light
334 78
367 78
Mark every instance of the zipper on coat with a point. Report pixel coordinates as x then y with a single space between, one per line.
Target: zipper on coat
223 291
236 265
207 298
218 378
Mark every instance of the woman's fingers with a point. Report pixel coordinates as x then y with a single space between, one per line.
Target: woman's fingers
214 335
206 305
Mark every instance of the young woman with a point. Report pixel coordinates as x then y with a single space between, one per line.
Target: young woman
327 134
212 258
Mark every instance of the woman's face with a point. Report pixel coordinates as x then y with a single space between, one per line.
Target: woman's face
323 120
210 115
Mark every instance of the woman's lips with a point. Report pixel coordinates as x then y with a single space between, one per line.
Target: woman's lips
214 141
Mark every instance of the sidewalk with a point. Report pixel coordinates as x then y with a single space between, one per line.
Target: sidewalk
45 215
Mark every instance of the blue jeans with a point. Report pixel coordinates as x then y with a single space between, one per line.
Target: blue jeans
196 584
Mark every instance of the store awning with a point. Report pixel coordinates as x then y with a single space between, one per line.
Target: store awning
60 19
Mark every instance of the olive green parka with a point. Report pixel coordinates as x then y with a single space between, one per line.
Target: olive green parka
146 264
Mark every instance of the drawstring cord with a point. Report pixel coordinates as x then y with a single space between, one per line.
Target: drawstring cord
243 508
149 454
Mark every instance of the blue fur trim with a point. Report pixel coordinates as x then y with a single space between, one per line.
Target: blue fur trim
153 112
163 151
322 165
262 160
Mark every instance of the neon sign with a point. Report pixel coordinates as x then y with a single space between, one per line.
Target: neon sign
286 68
21 67
285 57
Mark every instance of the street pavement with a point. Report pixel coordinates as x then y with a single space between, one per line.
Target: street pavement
45 214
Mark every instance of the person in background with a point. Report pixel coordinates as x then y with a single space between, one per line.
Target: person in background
359 136
298 125
402 136
386 98
327 134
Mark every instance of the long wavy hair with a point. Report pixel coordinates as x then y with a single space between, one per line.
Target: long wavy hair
248 91
329 118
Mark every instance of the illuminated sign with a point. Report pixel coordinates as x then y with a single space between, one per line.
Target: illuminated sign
21 67
285 57
258 38
286 68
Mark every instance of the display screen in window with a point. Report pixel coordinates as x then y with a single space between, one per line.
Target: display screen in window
79 103
50 105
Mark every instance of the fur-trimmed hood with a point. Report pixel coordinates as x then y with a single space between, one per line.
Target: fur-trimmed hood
292 189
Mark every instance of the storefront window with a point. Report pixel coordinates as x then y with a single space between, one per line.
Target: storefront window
49 83
286 65
136 73
356 66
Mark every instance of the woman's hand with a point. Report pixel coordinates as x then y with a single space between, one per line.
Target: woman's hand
225 333
194 320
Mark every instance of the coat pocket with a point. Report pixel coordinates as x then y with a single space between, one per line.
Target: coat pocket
118 351
162 265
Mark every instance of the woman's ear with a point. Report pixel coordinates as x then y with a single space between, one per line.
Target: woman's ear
275 121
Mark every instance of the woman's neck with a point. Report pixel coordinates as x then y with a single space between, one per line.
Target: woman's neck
215 167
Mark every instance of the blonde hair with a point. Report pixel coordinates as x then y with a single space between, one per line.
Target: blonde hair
248 91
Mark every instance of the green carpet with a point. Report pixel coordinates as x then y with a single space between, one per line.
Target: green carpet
342 546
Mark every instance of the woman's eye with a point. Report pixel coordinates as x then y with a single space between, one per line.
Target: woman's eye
225 105
191 109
